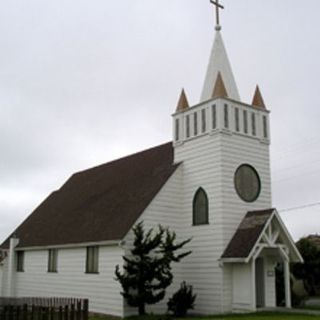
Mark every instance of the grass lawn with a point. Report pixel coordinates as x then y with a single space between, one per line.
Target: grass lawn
255 316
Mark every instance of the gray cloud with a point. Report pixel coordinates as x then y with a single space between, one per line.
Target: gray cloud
85 82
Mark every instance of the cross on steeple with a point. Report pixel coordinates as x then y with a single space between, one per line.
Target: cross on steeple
218 7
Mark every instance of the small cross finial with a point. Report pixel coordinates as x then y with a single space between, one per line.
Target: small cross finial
218 7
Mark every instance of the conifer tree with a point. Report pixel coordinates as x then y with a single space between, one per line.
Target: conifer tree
147 270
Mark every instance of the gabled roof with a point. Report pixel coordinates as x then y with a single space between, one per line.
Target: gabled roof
261 230
247 234
99 204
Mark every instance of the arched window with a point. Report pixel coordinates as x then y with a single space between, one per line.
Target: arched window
200 208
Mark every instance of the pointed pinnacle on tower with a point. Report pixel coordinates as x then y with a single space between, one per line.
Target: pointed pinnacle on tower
183 103
257 100
219 90
219 62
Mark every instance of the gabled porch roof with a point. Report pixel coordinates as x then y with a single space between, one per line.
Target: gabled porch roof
257 231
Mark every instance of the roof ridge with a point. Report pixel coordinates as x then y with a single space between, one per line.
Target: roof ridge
122 158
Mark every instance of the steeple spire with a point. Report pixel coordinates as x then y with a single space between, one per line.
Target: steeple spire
257 99
183 103
219 62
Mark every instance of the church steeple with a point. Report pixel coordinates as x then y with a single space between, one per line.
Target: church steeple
219 63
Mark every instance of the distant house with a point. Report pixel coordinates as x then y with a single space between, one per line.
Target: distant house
211 183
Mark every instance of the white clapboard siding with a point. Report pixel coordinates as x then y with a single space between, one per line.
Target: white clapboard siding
165 209
71 280
202 168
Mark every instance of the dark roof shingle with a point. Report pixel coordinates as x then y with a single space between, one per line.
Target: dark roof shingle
99 204
247 234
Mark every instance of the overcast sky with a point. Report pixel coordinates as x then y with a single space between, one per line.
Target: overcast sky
83 82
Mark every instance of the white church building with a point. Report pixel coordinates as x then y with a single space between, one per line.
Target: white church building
211 183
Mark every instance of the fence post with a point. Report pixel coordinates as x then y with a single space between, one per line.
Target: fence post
25 312
11 312
78 312
72 312
60 313
52 312
66 312
17 313
33 312
86 309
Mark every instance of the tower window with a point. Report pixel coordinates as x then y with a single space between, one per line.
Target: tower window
214 116
236 118
226 116
200 208
187 126
265 127
253 123
245 121
177 130
195 123
203 119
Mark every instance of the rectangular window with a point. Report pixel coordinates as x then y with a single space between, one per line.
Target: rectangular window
203 118
188 126
177 130
265 127
226 116
214 117
20 261
253 123
52 260
195 123
245 121
92 261
236 119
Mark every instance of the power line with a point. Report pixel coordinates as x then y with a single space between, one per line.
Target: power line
309 205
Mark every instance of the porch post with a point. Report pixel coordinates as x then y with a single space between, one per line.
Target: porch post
287 283
253 284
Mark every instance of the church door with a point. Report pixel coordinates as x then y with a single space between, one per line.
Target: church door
260 283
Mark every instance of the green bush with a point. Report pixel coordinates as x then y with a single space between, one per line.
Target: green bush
182 300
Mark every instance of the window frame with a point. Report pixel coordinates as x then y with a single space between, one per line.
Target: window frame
20 261
188 126
265 127
226 116
237 119
203 120
92 260
194 222
177 130
52 261
195 123
245 121
253 124
214 116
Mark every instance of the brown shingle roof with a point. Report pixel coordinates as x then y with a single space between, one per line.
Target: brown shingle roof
247 234
101 203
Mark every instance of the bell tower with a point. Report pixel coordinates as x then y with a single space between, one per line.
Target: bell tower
222 144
